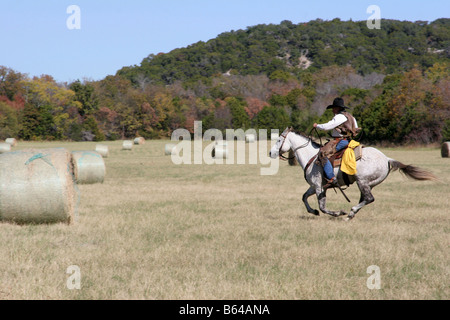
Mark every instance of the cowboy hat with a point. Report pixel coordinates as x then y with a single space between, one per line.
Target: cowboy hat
338 102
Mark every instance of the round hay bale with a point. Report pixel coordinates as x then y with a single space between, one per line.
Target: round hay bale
127 145
37 186
11 141
102 150
221 143
220 152
250 138
139 140
88 167
169 149
445 150
5 147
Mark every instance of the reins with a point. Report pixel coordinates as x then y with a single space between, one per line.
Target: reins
300 147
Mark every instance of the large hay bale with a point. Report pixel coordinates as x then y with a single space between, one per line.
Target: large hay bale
250 138
37 186
88 167
127 145
5 147
169 149
221 143
102 150
11 141
445 151
220 151
139 140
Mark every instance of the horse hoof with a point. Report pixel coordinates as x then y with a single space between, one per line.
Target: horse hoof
316 213
343 213
349 217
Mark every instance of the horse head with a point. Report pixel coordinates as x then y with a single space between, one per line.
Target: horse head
282 145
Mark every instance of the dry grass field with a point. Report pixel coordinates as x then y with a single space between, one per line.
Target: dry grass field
155 230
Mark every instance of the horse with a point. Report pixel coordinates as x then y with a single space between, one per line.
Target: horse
372 169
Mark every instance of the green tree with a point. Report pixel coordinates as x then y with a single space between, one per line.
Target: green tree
240 118
271 117
9 124
84 93
302 120
280 75
446 131
38 123
10 82
90 125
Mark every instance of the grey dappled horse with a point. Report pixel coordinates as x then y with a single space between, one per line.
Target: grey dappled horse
373 168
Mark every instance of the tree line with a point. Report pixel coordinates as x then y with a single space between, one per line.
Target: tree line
265 77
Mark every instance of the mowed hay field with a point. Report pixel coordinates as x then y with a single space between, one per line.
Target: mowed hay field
155 230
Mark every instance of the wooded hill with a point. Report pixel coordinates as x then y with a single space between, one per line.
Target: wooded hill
291 48
395 79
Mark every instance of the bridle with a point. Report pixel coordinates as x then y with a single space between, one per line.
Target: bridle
296 149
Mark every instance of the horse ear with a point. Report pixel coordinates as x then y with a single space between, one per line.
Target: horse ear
291 128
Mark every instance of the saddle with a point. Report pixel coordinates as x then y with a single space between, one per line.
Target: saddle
336 159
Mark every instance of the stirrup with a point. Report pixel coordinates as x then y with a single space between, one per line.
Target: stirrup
331 183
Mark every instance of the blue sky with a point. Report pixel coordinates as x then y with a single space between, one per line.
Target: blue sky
113 33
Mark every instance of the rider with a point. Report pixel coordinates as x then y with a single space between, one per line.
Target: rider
344 128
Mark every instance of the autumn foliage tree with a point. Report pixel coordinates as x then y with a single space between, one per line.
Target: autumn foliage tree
395 80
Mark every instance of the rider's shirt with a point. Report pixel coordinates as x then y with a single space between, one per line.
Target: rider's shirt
337 120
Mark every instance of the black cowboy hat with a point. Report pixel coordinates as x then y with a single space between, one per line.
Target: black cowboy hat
338 102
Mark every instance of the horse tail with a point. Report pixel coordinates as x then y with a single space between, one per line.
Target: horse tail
412 171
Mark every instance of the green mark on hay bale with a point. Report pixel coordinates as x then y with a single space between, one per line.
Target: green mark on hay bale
88 167
33 191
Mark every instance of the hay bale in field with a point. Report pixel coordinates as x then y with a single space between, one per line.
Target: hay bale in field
88 167
221 143
127 145
5 147
102 150
11 141
139 140
220 151
37 186
250 138
169 149
445 150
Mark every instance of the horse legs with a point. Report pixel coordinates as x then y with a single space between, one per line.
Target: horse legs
322 197
366 198
305 197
